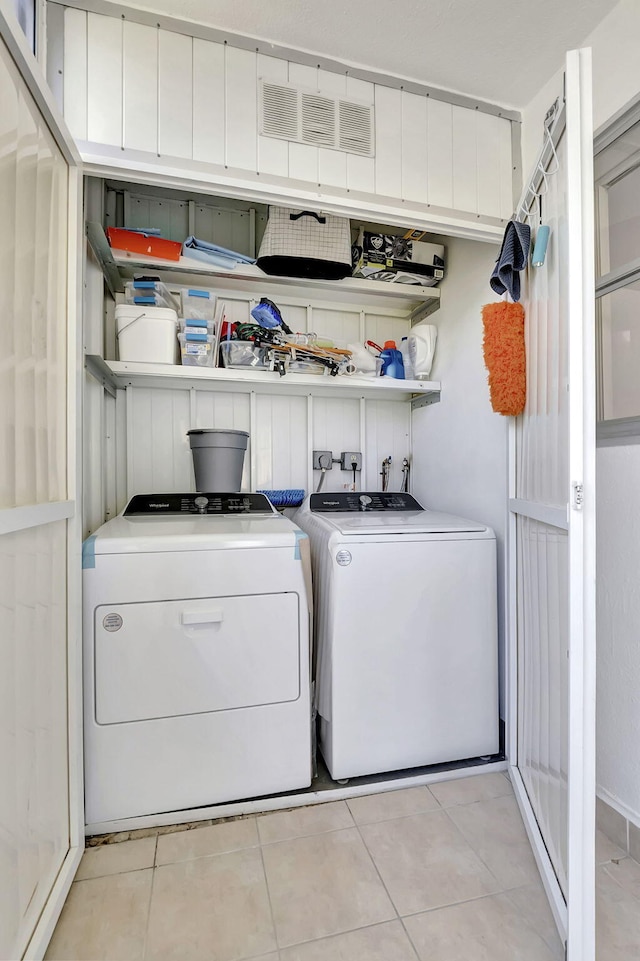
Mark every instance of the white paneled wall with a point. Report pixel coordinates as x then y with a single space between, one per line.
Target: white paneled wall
34 790
284 429
34 445
139 87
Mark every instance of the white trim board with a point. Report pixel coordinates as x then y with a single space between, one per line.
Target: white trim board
285 801
55 902
133 166
32 75
33 515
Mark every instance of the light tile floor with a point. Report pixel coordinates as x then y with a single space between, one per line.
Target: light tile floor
440 874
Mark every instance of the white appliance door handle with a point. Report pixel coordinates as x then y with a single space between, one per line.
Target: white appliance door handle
189 618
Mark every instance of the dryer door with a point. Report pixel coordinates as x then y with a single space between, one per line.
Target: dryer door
171 658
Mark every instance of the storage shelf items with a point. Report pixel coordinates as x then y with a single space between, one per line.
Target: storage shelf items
118 267
120 374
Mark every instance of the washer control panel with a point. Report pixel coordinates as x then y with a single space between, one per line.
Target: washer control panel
145 505
340 502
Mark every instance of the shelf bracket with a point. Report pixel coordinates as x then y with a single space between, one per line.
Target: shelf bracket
424 400
101 371
100 246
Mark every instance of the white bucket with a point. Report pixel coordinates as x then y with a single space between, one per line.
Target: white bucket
147 334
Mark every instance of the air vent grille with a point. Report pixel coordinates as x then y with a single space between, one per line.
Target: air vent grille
318 120
310 117
356 128
279 111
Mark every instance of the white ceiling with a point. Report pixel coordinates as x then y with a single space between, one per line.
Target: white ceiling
497 50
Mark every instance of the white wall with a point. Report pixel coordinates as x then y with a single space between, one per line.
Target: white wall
616 80
460 444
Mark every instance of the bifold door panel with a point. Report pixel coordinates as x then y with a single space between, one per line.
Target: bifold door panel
552 530
170 658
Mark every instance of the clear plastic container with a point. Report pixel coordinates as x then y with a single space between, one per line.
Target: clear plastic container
195 326
242 354
149 293
196 350
198 304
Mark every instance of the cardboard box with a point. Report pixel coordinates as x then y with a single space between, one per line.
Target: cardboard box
397 259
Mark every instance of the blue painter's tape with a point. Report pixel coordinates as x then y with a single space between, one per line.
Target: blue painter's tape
199 293
300 536
89 553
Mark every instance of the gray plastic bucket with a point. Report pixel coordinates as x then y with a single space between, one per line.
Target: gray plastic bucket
218 458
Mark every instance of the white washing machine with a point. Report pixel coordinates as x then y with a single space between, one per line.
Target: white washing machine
196 655
405 633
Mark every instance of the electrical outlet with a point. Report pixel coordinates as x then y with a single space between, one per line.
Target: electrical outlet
322 458
350 457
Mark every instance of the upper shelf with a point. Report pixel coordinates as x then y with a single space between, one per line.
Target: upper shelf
119 266
119 374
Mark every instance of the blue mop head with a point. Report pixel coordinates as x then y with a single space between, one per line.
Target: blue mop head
285 498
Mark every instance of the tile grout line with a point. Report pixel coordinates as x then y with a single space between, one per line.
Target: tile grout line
479 857
375 867
266 884
151 886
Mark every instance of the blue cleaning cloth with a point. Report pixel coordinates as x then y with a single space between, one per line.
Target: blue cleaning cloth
213 254
513 257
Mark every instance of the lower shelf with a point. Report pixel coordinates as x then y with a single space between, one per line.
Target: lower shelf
116 375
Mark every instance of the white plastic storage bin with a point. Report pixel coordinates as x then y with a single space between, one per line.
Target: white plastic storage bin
196 350
149 293
146 334
198 304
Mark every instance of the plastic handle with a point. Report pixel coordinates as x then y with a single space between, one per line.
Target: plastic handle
201 617
308 213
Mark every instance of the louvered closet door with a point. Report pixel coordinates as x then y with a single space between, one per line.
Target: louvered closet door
38 809
552 534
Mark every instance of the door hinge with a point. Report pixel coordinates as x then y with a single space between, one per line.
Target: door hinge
577 499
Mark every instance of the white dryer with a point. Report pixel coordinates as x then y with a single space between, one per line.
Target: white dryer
405 633
196 655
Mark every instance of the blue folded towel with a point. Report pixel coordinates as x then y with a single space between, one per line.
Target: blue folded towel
213 254
513 257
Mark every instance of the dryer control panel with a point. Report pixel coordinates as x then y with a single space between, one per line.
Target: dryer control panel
340 502
146 505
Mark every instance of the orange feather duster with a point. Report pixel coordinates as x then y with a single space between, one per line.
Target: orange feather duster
504 356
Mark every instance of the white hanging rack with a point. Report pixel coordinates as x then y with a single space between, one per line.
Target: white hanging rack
555 123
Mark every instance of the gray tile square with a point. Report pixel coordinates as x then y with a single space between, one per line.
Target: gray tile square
210 909
487 929
304 821
323 885
425 862
382 942
617 920
104 919
391 804
204 841
495 831
117 858
466 790
606 850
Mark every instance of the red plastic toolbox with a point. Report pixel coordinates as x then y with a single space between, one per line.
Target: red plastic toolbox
136 243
